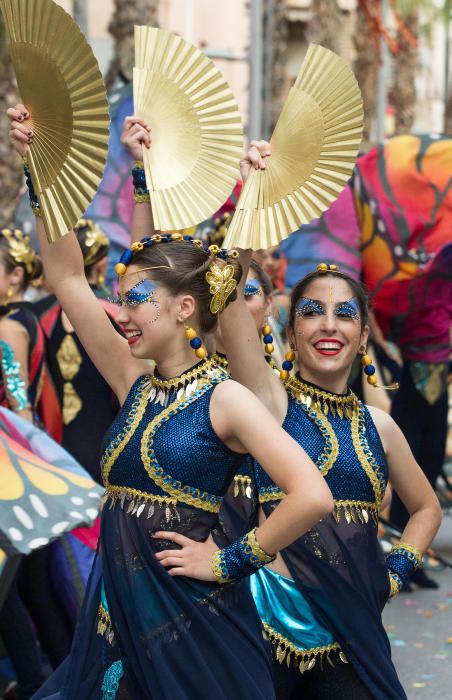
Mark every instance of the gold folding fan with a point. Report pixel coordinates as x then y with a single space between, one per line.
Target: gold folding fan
314 147
197 135
61 85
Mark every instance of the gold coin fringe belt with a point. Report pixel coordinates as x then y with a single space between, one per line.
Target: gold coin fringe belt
358 512
303 659
104 626
135 502
243 486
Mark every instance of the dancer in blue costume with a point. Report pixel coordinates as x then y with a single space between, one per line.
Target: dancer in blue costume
321 600
158 621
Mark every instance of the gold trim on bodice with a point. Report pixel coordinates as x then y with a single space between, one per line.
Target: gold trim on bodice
189 387
318 404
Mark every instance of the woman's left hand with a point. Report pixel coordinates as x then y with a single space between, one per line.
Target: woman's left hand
193 559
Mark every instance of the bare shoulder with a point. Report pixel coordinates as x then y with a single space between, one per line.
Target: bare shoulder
231 392
386 426
12 329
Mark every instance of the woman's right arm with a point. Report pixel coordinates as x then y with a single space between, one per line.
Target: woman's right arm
136 135
240 337
64 270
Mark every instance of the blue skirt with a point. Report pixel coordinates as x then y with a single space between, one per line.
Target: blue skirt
162 637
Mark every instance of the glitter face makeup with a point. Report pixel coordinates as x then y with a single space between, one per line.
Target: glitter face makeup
143 291
345 309
308 307
252 287
349 309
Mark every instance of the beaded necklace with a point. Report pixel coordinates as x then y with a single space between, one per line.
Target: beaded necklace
161 390
342 405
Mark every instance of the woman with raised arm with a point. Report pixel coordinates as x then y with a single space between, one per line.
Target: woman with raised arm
167 614
323 595
88 404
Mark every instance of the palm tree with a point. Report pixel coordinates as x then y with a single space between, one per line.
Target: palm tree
403 92
325 26
126 14
366 71
276 35
10 170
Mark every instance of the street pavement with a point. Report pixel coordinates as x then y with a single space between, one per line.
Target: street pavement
419 626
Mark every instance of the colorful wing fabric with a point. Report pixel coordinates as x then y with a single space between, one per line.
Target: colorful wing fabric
403 198
333 238
44 491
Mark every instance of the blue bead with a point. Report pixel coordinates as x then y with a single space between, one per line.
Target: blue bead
188 238
196 343
126 257
287 365
369 370
268 339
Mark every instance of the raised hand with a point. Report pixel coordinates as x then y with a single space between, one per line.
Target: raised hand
193 559
136 133
21 132
255 157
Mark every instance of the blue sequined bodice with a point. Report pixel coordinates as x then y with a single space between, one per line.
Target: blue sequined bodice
339 435
162 444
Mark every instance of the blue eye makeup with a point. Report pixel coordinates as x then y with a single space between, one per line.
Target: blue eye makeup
143 291
309 307
349 309
252 287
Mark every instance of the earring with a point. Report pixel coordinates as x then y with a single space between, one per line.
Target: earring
101 280
268 339
368 367
369 371
9 294
195 342
287 365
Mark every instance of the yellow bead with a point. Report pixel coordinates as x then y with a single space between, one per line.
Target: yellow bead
137 246
366 360
176 237
190 333
214 249
201 353
266 330
334 268
284 374
289 356
269 348
157 238
120 269
322 267
372 380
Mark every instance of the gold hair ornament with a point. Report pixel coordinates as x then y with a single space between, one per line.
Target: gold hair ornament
95 239
326 267
19 248
222 284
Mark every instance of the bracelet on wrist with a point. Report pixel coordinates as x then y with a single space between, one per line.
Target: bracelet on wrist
403 559
396 584
140 189
239 559
34 201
